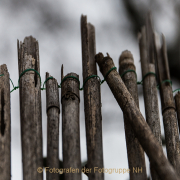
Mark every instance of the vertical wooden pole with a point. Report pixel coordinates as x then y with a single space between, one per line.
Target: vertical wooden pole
177 101
146 46
30 109
53 110
168 108
134 150
5 125
92 101
141 129
70 127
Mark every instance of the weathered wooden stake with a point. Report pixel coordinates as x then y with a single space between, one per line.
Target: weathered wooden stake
141 129
70 127
134 149
92 101
53 110
168 107
5 125
146 47
177 101
30 109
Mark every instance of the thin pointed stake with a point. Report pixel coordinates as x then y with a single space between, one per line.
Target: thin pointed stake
62 74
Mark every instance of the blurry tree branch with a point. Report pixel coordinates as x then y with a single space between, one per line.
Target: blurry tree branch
137 14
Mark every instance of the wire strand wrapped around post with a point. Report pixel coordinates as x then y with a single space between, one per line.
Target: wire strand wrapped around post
134 150
137 121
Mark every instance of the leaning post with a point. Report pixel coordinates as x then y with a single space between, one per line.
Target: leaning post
141 129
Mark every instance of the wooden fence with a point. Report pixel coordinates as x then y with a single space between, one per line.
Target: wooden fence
141 136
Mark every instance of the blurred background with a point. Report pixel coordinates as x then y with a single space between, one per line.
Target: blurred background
56 25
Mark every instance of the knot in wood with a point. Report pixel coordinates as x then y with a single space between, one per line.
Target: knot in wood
69 95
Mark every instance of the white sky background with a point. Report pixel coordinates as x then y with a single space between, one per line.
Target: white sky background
56 25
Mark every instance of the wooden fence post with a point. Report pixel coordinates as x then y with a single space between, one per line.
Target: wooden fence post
146 47
168 107
141 129
92 101
53 110
70 127
5 125
134 150
30 109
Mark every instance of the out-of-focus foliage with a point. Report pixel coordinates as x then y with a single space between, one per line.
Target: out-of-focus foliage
137 11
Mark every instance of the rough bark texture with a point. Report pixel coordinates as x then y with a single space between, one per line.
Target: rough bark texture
92 101
70 127
168 108
30 109
53 110
141 129
149 86
177 100
5 125
134 150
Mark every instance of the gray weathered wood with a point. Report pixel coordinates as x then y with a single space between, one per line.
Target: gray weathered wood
168 107
134 150
30 109
149 85
53 110
177 101
92 101
141 129
5 125
70 127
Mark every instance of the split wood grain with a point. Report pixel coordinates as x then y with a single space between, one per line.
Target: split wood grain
30 109
53 111
141 129
70 127
5 125
168 106
134 150
92 101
